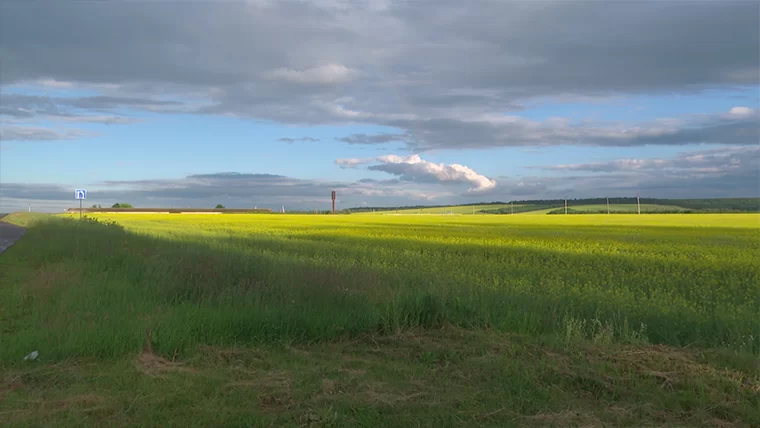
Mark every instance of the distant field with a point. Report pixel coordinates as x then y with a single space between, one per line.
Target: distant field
616 209
442 210
628 208
532 209
378 320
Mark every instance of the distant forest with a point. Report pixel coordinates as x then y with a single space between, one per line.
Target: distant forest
718 205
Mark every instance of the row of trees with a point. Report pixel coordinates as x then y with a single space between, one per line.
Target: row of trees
126 205
116 205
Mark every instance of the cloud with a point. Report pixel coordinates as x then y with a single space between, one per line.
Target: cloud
103 120
50 83
235 190
739 126
298 140
732 171
710 161
35 133
324 74
726 172
35 191
414 168
741 111
20 106
372 139
437 71
352 162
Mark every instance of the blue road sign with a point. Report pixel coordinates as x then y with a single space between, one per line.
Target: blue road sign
80 194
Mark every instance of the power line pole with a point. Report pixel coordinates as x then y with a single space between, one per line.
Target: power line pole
511 207
608 205
638 203
565 206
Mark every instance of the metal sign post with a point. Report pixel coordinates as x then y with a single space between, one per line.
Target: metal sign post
80 194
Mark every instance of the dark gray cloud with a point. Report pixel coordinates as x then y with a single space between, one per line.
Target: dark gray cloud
432 69
298 140
740 125
78 109
35 191
20 113
372 139
105 102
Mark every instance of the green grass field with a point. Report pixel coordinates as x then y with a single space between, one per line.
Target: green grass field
379 320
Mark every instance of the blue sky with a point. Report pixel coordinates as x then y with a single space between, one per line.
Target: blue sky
371 102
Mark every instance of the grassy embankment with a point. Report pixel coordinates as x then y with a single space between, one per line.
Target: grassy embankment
339 321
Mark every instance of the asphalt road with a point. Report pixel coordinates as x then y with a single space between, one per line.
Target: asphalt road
8 234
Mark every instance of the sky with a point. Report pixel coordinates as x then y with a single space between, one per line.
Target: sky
273 103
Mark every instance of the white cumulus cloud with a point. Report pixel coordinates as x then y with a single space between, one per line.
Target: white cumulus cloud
740 111
414 168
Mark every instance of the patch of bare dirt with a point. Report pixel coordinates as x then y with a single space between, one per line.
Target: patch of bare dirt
151 364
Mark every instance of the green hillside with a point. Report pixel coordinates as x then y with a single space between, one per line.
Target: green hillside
618 209
580 206
24 219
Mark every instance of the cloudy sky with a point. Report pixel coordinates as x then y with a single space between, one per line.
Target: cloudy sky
277 102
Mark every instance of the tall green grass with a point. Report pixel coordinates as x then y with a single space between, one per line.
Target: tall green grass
96 287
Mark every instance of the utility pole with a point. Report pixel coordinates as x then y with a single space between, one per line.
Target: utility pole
638 203
565 206
511 207
608 205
